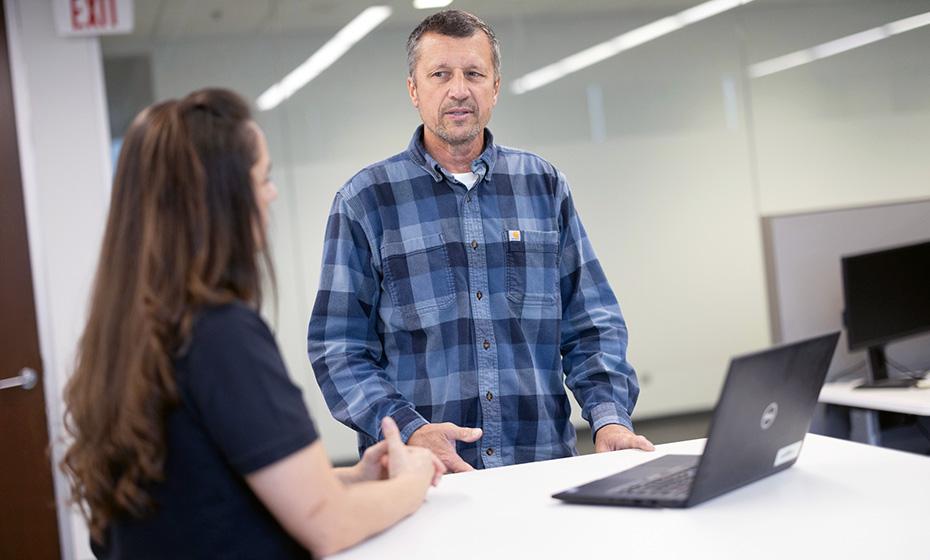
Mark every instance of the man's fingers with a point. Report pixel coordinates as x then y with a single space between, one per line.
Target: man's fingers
438 469
644 444
635 442
456 464
615 443
465 434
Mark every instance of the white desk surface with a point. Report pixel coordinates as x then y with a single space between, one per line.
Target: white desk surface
841 500
909 400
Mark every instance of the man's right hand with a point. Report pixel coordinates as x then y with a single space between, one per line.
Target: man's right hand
441 438
399 459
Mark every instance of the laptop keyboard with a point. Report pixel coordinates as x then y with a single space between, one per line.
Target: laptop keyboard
674 483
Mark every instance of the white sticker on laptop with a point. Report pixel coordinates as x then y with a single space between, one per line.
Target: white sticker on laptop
788 453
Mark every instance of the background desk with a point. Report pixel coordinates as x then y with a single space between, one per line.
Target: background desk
864 422
841 500
909 400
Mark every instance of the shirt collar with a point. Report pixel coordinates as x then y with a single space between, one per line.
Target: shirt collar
480 167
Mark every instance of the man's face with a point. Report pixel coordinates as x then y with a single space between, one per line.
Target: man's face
454 87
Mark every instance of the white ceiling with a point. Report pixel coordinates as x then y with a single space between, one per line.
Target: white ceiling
158 21
169 19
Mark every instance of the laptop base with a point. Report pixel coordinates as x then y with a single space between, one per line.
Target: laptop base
621 489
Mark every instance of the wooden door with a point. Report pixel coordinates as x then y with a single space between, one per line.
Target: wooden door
28 522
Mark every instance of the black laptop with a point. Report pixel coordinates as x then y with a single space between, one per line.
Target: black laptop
758 428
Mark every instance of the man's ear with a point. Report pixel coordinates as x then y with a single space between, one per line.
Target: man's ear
497 88
412 91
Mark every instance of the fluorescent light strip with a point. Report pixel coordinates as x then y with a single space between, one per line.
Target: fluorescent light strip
837 46
427 4
620 43
323 58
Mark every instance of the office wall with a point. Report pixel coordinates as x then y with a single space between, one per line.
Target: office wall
673 153
849 130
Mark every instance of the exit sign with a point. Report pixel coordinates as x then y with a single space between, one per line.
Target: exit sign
81 18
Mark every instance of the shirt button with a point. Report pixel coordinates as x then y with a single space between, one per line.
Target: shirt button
467 198
490 395
486 344
490 451
474 244
479 295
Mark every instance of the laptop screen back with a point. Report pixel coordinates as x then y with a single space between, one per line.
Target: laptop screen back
763 414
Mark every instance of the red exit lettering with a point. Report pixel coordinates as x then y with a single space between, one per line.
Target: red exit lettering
93 14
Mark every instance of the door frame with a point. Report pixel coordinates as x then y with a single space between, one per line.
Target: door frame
34 529
66 206
48 382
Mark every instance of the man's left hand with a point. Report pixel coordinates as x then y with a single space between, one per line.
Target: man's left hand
614 437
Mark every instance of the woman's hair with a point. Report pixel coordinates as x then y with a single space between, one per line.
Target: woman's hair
184 231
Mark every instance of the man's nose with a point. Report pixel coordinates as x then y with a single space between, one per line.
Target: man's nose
458 88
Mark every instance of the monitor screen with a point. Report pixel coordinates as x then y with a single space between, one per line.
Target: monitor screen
887 295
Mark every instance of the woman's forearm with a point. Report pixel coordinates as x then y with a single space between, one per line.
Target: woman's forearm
348 475
365 509
317 507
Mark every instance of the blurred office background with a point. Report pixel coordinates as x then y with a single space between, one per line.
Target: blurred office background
686 153
721 167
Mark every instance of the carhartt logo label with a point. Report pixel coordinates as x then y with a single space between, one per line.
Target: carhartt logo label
514 235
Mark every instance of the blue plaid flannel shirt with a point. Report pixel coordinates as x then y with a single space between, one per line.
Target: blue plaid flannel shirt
440 304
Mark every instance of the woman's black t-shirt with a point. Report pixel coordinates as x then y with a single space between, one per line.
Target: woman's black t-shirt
239 412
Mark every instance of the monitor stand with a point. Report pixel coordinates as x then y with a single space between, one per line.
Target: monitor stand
878 373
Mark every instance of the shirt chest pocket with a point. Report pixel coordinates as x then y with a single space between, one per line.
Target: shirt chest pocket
418 274
532 266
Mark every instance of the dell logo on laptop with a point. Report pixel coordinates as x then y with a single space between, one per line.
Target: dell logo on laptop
768 415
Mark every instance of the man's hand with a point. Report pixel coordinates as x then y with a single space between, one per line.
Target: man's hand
440 439
614 437
403 460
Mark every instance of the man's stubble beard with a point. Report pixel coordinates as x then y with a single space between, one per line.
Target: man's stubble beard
452 139
458 140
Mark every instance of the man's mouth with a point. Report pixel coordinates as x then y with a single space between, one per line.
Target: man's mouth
458 113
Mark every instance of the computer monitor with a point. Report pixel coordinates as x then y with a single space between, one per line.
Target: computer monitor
887 297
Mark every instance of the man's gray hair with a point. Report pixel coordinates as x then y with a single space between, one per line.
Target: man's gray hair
451 23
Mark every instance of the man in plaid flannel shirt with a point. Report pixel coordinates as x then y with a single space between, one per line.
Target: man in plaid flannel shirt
458 285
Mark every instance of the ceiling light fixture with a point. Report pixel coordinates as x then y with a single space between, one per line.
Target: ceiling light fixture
427 4
837 46
620 43
323 58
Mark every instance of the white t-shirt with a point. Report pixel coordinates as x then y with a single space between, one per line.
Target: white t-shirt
468 179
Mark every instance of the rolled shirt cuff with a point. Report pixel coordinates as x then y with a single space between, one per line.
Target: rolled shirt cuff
408 421
609 413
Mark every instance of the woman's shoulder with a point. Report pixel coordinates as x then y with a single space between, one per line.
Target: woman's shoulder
231 329
236 318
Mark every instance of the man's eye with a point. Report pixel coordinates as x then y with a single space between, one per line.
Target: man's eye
440 74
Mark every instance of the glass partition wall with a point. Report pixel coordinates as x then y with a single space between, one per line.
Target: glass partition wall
686 125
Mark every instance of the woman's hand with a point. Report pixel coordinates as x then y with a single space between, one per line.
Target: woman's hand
380 462
373 464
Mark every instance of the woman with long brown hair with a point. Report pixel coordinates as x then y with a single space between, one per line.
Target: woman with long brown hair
189 438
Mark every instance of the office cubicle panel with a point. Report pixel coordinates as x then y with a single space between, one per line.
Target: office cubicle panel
803 254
